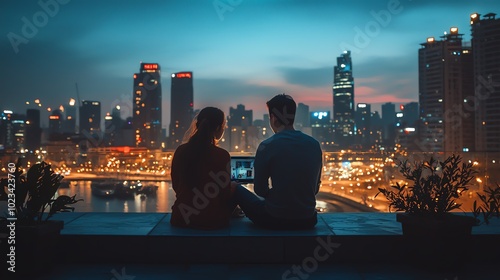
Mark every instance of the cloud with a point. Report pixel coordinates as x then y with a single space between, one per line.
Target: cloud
316 77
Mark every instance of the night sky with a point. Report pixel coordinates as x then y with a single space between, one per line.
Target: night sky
240 51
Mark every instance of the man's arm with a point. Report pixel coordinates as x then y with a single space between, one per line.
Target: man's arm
261 169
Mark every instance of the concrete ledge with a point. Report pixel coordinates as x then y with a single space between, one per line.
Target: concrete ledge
338 237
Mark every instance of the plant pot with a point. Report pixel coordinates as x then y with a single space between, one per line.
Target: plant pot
437 241
447 225
36 247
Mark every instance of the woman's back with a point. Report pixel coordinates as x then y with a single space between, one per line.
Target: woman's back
202 187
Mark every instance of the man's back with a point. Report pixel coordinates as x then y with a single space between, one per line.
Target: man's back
293 161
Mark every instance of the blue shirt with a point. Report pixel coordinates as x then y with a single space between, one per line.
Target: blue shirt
293 162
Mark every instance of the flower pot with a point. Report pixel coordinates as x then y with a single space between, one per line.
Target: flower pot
36 247
438 242
446 225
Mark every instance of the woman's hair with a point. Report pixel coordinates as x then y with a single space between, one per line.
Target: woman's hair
203 127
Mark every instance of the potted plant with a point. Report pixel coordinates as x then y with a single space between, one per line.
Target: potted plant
35 235
431 231
432 194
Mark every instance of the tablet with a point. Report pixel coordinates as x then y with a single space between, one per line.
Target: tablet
242 169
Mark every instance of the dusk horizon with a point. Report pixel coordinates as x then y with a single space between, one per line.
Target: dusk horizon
240 52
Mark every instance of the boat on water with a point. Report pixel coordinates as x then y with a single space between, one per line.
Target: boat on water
103 189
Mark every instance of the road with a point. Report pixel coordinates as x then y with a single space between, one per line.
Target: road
338 204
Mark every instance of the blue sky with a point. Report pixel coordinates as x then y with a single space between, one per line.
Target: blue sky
240 51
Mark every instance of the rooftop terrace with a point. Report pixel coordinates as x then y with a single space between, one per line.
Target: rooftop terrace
342 246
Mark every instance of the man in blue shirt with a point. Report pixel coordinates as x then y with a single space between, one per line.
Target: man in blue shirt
287 173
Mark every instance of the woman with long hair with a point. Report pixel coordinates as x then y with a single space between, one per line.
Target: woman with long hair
200 175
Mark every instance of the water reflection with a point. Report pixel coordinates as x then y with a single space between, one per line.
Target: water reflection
162 202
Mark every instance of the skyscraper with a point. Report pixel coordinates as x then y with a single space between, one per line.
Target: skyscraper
181 107
69 122
486 52
239 116
146 104
445 85
90 118
388 124
33 130
343 100
363 125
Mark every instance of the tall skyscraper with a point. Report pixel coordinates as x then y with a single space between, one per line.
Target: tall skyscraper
69 122
363 125
55 123
147 106
90 117
445 85
388 124
181 107
343 100
486 52
33 130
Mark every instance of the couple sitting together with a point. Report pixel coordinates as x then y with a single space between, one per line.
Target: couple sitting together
287 175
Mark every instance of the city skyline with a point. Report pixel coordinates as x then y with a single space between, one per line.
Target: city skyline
239 54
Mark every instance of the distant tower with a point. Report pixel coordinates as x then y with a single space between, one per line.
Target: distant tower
363 125
147 106
343 100
388 124
55 123
239 116
181 110
486 52
90 117
33 130
445 84
69 123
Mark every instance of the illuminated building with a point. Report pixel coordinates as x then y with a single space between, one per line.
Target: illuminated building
322 129
12 132
146 105
486 52
343 101
363 126
181 107
302 117
33 130
90 118
69 123
388 124
55 123
445 92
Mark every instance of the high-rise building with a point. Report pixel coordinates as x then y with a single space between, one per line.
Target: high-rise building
146 105
69 122
486 52
445 85
55 123
90 118
363 126
302 119
239 116
33 130
343 100
12 131
181 107
388 124
410 114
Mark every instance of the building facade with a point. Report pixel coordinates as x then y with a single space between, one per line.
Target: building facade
146 105
445 84
343 101
181 110
486 51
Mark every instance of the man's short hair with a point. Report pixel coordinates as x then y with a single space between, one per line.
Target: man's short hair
283 107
